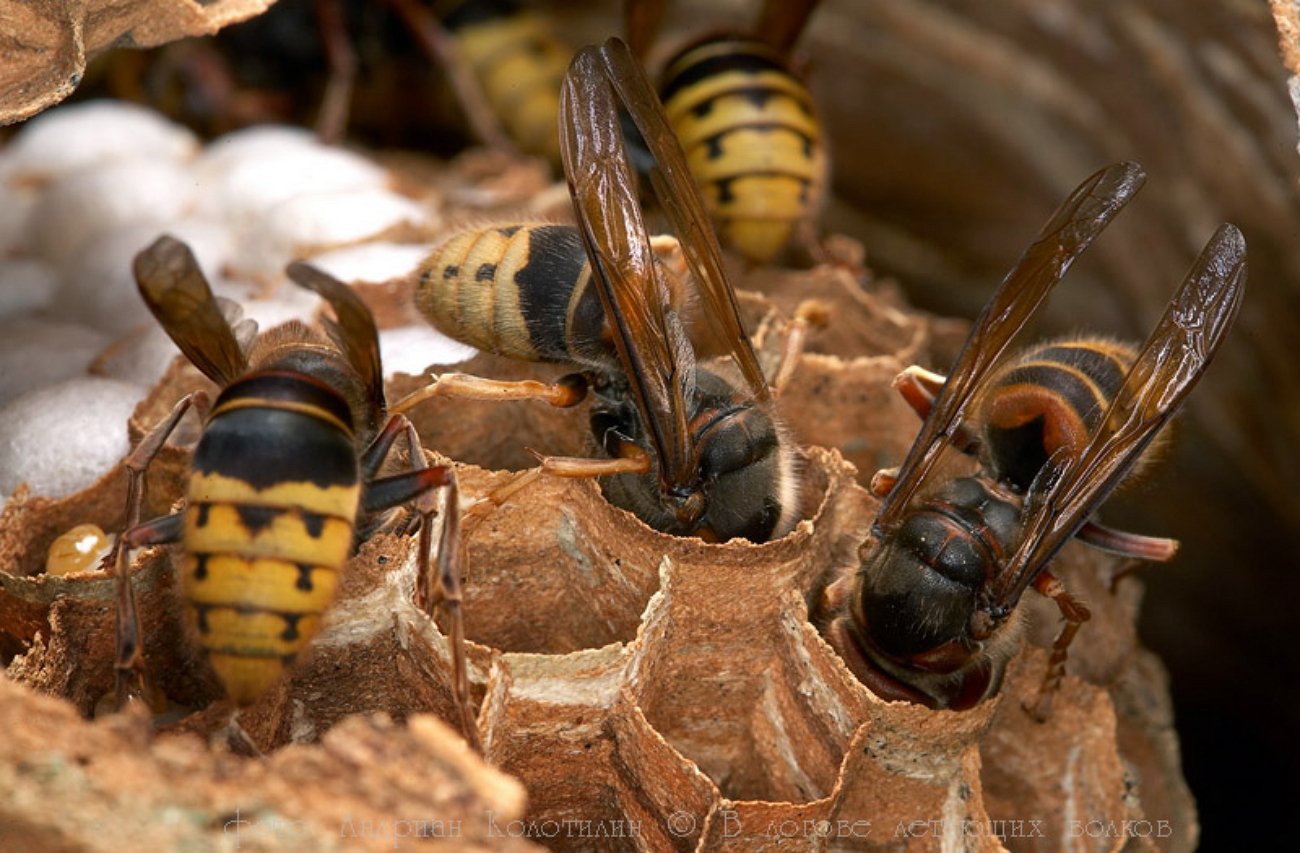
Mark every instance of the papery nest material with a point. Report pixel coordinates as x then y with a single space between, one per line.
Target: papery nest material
652 692
46 44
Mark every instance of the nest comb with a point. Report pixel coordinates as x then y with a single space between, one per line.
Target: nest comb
648 692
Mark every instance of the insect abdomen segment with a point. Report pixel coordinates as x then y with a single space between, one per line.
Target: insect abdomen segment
752 139
269 522
1051 396
521 291
519 63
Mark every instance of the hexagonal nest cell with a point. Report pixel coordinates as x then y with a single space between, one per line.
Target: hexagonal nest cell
646 691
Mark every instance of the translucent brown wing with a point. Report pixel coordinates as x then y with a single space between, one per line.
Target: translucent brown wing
635 299
1071 487
781 23
1070 230
641 19
174 288
678 195
354 330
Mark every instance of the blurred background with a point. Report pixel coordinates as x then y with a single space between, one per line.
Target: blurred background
955 129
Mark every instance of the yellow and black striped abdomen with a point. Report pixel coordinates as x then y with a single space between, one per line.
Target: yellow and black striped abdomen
522 291
751 136
519 62
271 505
1051 396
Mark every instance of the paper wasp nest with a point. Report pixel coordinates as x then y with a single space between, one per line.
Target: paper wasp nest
49 43
643 691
